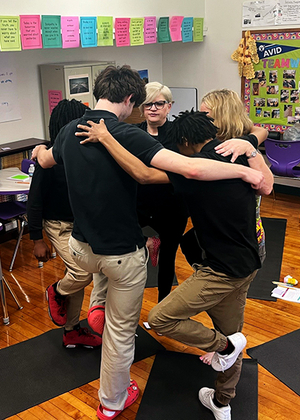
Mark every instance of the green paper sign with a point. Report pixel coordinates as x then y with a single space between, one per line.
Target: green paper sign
163 31
198 30
51 32
105 31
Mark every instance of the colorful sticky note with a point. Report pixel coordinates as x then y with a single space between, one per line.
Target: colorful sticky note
88 31
70 31
31 37
122 32
150 30
105 31
198 30
163 31
137 31
175 28
10 33
51 31
187 29
54 96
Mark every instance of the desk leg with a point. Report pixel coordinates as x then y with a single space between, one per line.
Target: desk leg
12 293
3 299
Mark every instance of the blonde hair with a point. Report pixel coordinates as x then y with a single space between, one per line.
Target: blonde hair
154 89
228 112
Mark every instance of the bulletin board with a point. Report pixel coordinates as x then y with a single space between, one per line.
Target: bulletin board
272 97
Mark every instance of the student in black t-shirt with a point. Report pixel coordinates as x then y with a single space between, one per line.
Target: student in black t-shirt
223 213
48 209
224 217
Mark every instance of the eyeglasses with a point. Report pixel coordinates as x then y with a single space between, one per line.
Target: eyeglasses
158 105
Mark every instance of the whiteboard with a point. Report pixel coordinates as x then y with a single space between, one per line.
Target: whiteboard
184 99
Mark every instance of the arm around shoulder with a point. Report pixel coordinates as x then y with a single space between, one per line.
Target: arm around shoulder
44 156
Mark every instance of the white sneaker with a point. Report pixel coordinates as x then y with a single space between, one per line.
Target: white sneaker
222 362
206 396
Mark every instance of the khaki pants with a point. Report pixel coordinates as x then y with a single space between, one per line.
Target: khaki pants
224 299
124 276
75 280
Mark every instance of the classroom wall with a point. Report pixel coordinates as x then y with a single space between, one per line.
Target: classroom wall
209 66
26 62
204 65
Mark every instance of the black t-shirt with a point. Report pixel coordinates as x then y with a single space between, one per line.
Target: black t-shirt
223 214
48 199
159 199
102 194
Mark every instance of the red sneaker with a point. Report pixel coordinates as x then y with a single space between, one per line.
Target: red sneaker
96 318
154 248
57 307
133 393
81 337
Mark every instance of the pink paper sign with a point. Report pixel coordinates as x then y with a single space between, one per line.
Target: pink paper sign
122 32
30 27
54 96
70 31
150 30
175 28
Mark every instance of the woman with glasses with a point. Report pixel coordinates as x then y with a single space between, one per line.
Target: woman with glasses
157 205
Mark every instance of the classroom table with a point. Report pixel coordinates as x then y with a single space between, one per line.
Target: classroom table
12 182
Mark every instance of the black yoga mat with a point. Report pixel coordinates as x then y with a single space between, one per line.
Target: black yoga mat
174 382
39 369
153 271
262 286
277 357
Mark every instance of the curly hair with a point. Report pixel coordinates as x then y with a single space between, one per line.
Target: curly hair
64 112
192 126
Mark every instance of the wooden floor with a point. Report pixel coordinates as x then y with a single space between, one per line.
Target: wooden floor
264 321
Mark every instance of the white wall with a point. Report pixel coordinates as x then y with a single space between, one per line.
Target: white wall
204 65
209 66
26 62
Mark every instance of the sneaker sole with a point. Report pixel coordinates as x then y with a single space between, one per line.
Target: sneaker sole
74 346
203 402
217 367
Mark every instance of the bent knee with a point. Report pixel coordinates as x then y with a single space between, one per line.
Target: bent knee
155 321
152 318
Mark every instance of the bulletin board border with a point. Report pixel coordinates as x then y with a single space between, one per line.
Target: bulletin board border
267 35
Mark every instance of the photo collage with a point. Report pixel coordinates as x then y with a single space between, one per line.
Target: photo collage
275 95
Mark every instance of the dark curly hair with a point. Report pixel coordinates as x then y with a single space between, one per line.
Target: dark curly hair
115 83
64 112
192 126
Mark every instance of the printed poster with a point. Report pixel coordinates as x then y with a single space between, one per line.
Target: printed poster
105 31
10 33
271 12
272 97
51 31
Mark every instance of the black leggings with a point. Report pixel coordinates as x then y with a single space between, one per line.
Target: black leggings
170 227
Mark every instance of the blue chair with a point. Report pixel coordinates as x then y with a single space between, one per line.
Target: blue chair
284 157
